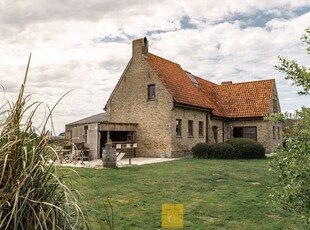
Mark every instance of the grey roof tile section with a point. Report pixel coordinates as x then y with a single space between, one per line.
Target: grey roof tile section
100 117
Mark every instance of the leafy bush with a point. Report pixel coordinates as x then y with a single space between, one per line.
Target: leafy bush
291 164
221 151
214 151
247 148
200 150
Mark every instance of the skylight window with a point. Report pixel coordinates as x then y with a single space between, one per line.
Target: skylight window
192 78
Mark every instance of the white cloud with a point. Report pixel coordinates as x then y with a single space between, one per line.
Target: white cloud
85 46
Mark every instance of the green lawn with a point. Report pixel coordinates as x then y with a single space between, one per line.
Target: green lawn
216 194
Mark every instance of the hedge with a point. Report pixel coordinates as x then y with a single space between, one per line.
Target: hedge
221 151
247 148
214 151
200 150
236 148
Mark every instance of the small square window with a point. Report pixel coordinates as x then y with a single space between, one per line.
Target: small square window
151 92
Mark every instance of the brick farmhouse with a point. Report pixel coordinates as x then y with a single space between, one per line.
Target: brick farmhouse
167 110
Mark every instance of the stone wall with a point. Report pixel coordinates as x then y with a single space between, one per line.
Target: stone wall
129 103
182 145
278 140
93 141
219 124
156 118
264 132
274 96
77 135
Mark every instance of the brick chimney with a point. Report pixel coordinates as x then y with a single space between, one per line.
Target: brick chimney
140 48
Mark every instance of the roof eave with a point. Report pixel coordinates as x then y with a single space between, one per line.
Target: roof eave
247 118
183 105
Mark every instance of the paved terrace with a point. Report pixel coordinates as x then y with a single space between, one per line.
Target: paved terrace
122 163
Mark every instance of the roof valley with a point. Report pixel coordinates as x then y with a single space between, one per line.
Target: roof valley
246 99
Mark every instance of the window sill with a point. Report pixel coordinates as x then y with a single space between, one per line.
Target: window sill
201 136
190 136
152 99
177 136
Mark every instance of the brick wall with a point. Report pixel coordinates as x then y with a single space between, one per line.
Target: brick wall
156 118
264 132
77 135
182 145
130 103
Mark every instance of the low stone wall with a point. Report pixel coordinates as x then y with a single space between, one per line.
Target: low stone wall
181 153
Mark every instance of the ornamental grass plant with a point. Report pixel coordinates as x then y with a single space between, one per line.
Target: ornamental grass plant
32 195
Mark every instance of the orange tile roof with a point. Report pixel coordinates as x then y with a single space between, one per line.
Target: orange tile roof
178 83
248 99
209 91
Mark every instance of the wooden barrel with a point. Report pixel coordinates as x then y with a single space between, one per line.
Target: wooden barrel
109 157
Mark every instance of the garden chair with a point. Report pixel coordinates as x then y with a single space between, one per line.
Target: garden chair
119 156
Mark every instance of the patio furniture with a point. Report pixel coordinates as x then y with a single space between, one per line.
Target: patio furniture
119 156
83 155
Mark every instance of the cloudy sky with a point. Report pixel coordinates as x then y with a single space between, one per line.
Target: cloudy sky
84 46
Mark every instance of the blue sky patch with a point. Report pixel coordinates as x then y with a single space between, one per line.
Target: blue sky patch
186 24
260 18
151 32
117 39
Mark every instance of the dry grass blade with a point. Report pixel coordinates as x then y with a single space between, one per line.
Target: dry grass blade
32 195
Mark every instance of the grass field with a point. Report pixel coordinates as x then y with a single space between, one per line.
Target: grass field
216 194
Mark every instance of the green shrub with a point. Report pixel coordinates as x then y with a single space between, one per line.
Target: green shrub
221 151
247 148
200 150
214 151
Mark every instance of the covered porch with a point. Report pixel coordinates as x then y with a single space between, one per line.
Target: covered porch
92 133
122 136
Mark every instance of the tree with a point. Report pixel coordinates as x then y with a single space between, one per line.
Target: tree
300 75
291 163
